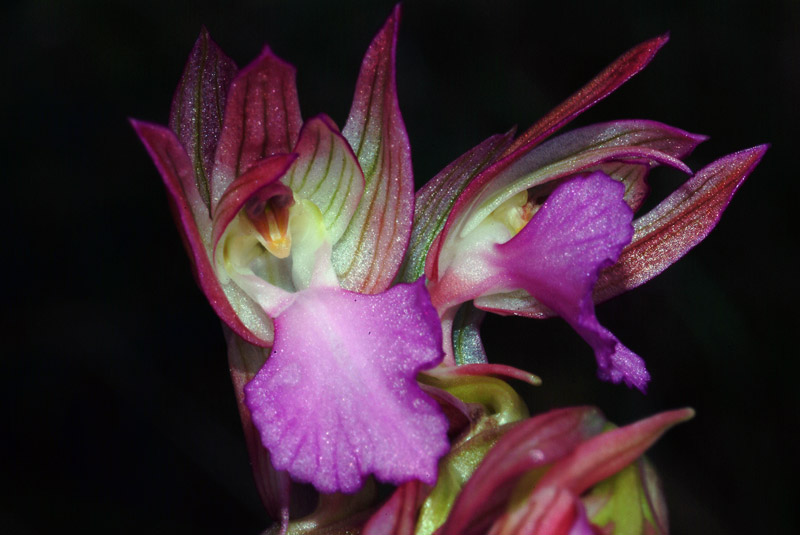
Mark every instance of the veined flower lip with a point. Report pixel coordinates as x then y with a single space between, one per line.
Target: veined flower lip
354 358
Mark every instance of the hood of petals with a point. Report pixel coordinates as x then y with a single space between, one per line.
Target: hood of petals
262 118
249 185
257 300
328 174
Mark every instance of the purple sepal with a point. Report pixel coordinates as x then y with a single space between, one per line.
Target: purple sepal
678 223
262 118
372 248
338 398
602 85
198 104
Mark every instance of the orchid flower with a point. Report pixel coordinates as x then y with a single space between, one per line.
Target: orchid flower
528 226
296 231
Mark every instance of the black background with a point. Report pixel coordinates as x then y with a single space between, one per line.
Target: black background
121 417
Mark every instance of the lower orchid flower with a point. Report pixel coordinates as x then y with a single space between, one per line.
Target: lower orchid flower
567 471
296 233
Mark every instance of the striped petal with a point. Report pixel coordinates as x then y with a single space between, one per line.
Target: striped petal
262 118
371 250
327 173
190 211
678 223
198 104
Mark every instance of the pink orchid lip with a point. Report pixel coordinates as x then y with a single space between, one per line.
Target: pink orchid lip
581 228
332 340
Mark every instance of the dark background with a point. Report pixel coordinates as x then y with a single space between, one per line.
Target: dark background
121 417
